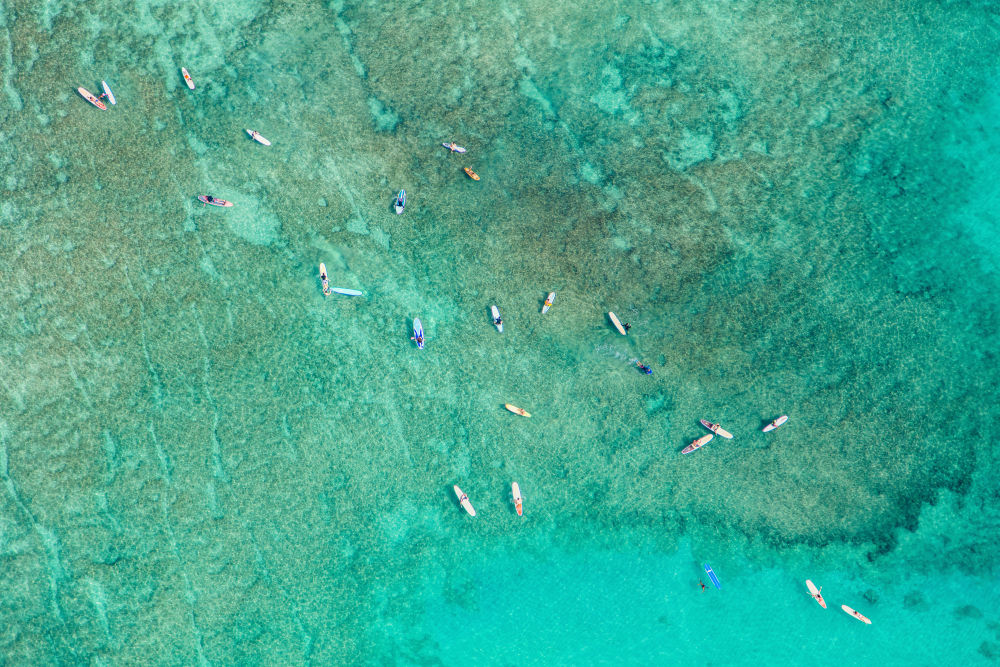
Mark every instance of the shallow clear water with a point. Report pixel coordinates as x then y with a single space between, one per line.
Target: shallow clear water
204 460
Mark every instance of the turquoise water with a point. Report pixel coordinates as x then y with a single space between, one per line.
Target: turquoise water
205 461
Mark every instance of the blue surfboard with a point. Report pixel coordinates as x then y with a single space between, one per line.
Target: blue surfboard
711 575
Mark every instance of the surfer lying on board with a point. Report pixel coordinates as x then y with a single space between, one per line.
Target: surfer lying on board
645 369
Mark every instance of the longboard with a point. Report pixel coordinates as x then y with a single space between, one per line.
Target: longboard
90 98
813 591
496 316
697 443
322 277
548 302
107 91
515 492
711 575
516 410
418 333
345 291
215 201
464 500
618 325
716 429
856 614
255 135
776 423
187 78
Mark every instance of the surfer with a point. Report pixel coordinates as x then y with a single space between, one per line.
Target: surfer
418 339
626 327
645 369
498 321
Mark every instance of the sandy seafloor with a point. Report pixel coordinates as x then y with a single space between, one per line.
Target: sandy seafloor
205 461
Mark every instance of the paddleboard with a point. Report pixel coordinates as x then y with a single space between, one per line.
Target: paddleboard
346 292
496 316
107 91
516 410
697 443
326 281
215 201
418 333
400 202
618 325
548 302
776 423
187 78
856 614
90 98
473 175
813 591
716 429
515 491
259 139
711 575
454 148
464 499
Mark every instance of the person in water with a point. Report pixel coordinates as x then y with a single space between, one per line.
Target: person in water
645 369
626 327
702 585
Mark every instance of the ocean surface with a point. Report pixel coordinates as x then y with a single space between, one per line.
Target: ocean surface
205 461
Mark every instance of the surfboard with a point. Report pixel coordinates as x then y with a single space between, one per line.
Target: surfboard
516 410
90 98
618 325
187 78
464 500
255 135
711 575
346 292
107 91
418 333
716 429
515 492
215 201
548 302
776 423
856 614
326 281
697 443
813 591
496 316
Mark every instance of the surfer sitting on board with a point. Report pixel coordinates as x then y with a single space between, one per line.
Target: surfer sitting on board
498 321
645 369
419 339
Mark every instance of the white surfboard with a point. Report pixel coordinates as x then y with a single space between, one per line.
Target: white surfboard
618 325
326 281
255 135
187 78
856 614
345 291
496 316
716 429
515 492
776 423
813 591
107 91
464 500
548 302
